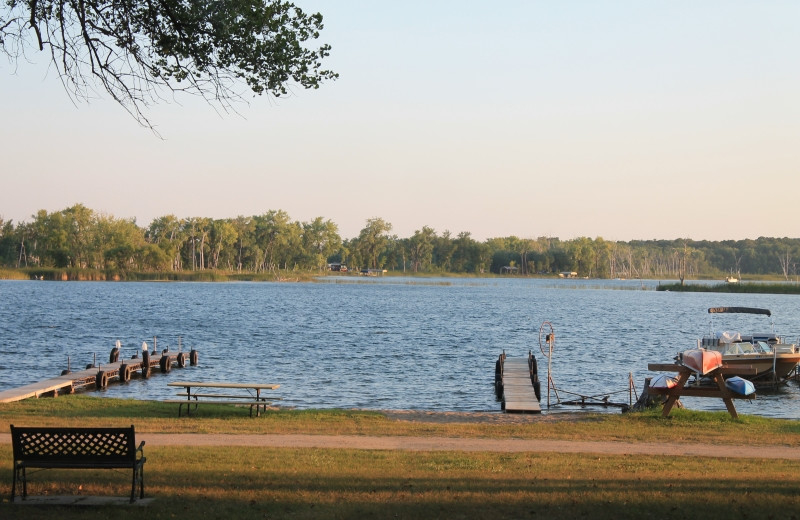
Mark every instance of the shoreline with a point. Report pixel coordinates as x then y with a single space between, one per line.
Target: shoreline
499 417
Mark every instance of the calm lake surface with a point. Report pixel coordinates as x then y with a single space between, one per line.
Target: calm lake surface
378 343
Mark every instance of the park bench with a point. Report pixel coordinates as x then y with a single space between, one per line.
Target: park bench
76 448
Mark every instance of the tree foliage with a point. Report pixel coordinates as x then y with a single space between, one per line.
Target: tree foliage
137 49
78 237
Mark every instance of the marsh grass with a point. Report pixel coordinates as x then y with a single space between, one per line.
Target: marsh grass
76 274
13 274
746 288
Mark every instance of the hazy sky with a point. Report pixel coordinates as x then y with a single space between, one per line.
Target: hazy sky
625 120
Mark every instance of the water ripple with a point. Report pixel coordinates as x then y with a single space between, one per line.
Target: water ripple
385 343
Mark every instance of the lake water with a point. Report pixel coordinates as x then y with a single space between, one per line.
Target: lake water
377 343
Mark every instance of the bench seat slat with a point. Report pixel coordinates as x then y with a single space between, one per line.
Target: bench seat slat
200 395
54 464
257 403
228 396
205 401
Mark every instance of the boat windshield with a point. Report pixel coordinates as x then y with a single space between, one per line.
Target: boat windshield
733 349
742 347
763 346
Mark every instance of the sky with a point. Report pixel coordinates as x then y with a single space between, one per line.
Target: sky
624 120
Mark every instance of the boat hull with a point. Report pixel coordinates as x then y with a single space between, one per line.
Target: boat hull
783 364
701 361
740 386
663 382
772 358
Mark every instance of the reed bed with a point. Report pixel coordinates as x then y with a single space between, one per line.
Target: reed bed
744 288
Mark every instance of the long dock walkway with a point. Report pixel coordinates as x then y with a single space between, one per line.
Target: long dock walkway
100 376
514 381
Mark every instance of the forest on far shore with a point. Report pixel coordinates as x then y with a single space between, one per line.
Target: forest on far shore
272 243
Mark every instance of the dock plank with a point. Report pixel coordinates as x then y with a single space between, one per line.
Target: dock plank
68 383
518 392
60 384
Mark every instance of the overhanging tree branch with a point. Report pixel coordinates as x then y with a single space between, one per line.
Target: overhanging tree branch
136 50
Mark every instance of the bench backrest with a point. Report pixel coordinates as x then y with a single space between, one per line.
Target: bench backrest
64 445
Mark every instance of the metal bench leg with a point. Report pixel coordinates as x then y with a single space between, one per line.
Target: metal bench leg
20 476
24 482
14 481
188 408
133 486
138 478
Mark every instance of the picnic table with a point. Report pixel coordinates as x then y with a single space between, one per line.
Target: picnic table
252 392
716 389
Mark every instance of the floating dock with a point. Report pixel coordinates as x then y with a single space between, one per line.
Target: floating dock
101 376
517 384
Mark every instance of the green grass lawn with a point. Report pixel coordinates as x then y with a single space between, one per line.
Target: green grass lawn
150 416
274 483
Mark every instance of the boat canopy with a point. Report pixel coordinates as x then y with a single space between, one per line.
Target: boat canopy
729 337
744 310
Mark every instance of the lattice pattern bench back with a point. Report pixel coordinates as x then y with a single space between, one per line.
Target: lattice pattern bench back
105 446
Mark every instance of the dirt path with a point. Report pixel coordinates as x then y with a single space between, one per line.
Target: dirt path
464 444
460 444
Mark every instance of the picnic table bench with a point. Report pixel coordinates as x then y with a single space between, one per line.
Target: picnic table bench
251 398
76 448
717 387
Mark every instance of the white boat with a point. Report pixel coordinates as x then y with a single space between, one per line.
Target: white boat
773 358
664 382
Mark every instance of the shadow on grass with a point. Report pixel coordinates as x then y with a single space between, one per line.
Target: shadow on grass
315 484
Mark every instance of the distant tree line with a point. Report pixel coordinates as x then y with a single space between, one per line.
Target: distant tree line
78 237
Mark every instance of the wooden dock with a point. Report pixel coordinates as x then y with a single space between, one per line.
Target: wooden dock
101 376
515 382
